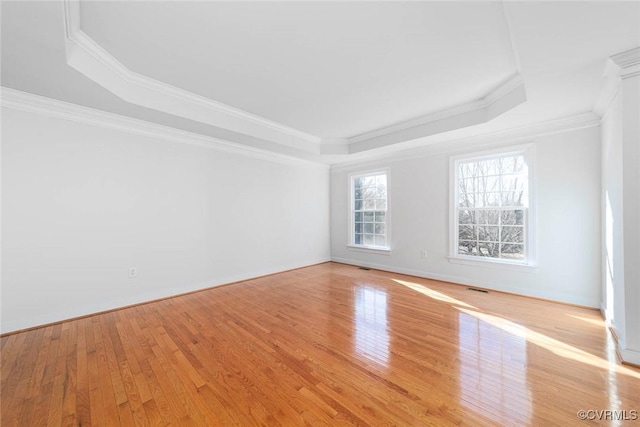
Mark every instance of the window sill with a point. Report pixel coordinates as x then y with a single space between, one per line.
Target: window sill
490 263
369 249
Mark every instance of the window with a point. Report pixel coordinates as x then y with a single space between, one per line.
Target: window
493 215
368 218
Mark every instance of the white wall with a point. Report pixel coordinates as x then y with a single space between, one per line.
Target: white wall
568 187
613 230
81 204
630 89
621 213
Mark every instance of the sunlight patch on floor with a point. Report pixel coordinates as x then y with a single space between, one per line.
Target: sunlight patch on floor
557 347
370 324
432 294
595 322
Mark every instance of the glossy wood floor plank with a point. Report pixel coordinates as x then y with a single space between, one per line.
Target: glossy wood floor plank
324 345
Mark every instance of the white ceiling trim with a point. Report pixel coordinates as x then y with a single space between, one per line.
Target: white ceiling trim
619 66
89 58
485 140
503 98
629 62
512 40
23 101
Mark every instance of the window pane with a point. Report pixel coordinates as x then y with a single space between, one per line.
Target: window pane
492 196
512 217
466 217
368 181
488 249
467 247
369 200
513 183
512 251
466 200
489 233
488 217
512 234
481 216
465 170
369 193
468 185
512 164
489 184
496 167
488 200
488 167
467 232
513 198
506 164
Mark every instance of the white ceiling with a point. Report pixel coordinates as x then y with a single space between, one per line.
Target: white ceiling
330 69
294 76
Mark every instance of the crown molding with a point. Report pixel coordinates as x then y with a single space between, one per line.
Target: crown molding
504 97
617 68
31 103
90 59
628 62
610 87
478 141
23 101
334 146
429 118
512 40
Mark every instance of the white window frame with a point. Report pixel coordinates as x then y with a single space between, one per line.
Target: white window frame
530 262
385 250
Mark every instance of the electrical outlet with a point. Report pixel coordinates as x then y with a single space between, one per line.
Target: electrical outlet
424 253
133 273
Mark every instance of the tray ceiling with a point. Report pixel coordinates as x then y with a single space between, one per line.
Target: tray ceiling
332 69
319 79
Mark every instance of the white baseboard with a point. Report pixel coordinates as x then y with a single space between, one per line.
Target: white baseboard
627 355
605 314
102 306
408 271
630 356
461 280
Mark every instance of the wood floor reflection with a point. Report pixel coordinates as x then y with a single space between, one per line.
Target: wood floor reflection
325 345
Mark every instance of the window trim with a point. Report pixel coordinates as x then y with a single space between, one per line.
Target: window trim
531 243
385 250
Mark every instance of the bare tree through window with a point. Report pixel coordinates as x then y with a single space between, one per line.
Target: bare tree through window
369 211
492 199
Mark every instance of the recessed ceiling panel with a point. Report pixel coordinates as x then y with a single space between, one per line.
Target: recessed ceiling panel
332 69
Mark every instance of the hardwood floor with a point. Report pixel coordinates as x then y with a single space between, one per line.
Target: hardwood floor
324 345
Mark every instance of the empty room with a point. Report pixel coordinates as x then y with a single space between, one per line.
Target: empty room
284 213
